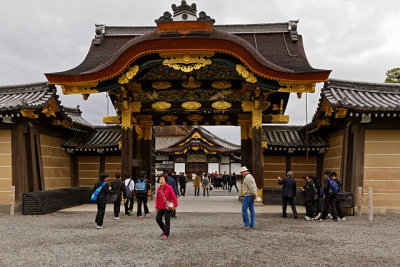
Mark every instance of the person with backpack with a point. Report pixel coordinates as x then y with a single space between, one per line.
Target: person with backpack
288 193
337 203
206 186
116 187
164 197
101 198
141 188
318 202
330 191
129 190
310 195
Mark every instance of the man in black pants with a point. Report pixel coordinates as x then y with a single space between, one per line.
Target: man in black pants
337 203
129 190
329 198
182 183
171 181
141 196
101 199
288 193
116 188
232 182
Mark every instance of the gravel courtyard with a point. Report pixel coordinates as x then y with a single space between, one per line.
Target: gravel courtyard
197 239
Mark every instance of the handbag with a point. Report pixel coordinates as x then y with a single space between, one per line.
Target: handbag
114 197
169 205
97 192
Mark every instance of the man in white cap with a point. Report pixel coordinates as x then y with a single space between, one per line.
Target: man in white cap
249 194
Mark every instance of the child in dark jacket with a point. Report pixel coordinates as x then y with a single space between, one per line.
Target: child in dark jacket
101 199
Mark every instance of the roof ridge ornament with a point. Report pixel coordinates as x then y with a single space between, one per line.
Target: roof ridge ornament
184 12
292 27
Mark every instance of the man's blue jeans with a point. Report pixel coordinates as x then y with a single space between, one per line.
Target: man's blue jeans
248 203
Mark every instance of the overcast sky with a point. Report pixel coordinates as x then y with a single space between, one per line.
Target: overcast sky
357 39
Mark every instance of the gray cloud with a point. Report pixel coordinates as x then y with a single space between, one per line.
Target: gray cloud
356 39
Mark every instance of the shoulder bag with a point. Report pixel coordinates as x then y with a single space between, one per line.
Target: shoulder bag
169 205
114 197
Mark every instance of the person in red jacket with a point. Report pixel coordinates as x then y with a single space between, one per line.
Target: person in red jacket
165 193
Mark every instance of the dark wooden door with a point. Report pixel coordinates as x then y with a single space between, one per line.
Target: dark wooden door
195 167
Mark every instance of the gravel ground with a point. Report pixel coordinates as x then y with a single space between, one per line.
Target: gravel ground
197 239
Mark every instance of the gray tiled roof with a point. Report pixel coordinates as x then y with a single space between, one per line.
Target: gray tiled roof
75 114
233 29
217 140
101 137
25 96
361 96
291 136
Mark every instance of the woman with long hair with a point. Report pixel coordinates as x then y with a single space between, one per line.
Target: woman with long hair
165 195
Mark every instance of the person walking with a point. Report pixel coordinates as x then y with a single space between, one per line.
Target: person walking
116 188
232 182
196 184
165 193
206 186
338 201
249 194
142 187
129 191
225 179
288 193
182 184
310 195
101 198
329 194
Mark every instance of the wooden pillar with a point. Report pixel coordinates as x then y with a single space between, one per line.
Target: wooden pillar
74 170
358 156
244 122
126 140
256 128
288 164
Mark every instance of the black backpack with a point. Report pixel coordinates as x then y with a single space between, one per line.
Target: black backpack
128 192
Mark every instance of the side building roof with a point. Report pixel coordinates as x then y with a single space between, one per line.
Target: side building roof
292 138
33 99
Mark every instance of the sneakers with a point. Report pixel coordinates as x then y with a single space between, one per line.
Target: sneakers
145 216
284 216
140 218
99 227
116 218
335 221
342 219
321 220
318 216
295 216
245 228
164 237
307 218
330 216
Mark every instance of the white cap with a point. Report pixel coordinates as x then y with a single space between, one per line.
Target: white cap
244 169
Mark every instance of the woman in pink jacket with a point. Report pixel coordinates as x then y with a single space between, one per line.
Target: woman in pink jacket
161 205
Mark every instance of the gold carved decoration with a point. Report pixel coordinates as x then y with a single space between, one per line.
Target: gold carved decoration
249 76
264 144
146 119
120 144
50 108
195 117
161 105
292 87
244 119
247 106
112 120
221 105
135 106
279 118
139 132
147 135
161 85
79 88
220 117
29 113
169 118
340 113
256 118
136 87
187 61
63 123
127 76
191 105
191 83
221 85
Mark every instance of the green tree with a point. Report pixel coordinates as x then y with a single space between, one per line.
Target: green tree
393 76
